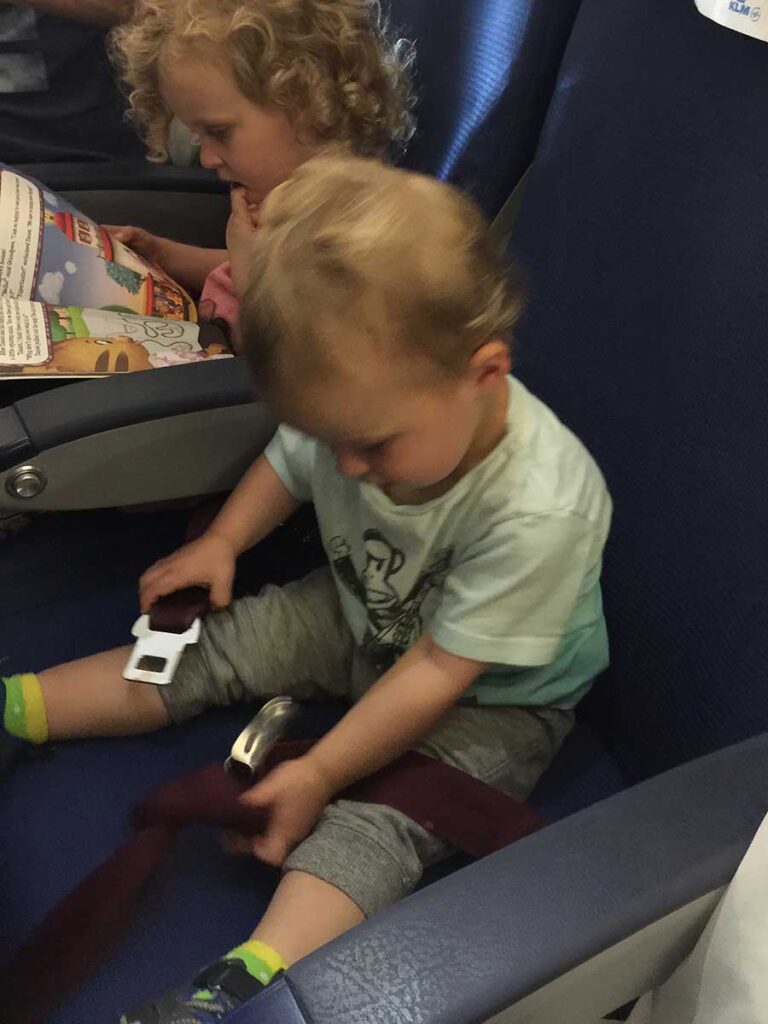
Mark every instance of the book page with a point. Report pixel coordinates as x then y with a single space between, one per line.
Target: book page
21 232
145 341
73 342
24 335
52 253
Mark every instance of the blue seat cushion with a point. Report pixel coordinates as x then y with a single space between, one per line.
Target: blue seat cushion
68 808
583 773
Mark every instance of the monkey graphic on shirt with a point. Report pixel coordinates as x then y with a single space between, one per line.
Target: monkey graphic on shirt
393 621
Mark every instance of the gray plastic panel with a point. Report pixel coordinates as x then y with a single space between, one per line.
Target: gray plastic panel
619 974
93 406
196 453
15 443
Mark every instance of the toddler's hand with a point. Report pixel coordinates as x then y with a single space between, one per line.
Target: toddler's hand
147 245
295 794
206 562
241 229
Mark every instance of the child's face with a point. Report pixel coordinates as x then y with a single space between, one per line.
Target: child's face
402 431
240 140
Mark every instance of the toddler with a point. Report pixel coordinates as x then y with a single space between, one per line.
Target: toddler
464 527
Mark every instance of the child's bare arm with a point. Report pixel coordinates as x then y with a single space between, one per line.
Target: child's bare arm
190 265
399 710
89 697
258 504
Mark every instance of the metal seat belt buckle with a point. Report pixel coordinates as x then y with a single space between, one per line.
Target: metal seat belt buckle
258 737
156 653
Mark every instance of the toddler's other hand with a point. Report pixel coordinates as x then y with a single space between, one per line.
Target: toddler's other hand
206 562
295 794
241 229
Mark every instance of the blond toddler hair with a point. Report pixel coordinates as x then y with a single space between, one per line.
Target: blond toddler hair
349 247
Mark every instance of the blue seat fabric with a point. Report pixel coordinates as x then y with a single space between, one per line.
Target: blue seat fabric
644 233
644 239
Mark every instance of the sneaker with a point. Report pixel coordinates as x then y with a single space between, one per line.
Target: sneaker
214 993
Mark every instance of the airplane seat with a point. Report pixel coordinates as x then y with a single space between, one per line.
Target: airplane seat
70 578
646 334
644 234
189 204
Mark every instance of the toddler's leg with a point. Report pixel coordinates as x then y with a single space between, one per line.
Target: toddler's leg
222 987
376 855
362 857
89 697
304 914
290 639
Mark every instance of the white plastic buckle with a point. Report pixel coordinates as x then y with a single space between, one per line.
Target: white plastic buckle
156 654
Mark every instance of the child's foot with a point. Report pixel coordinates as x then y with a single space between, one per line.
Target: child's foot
216 992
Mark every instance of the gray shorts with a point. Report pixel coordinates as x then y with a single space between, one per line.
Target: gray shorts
294 640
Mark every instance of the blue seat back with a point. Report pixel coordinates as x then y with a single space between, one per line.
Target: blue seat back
485 72
645 234
484 75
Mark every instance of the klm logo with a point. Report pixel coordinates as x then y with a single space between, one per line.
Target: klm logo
751 12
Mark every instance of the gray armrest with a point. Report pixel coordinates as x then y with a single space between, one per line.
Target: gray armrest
93 406
493 935
133 438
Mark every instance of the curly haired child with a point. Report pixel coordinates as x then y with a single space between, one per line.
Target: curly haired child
264 85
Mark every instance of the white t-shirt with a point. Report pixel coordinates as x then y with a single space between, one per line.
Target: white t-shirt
502 568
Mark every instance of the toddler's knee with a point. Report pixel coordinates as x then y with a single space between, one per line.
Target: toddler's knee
374 854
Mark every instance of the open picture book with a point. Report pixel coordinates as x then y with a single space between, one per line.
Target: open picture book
75 302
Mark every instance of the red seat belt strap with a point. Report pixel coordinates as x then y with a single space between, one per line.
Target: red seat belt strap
77 935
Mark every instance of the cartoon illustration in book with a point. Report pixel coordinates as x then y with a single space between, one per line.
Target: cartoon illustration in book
52 253
117 354
82 231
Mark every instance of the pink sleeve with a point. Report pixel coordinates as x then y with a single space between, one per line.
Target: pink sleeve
218 298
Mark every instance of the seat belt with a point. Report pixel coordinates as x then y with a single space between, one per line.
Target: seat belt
75 937
78 934
173 621
504 223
